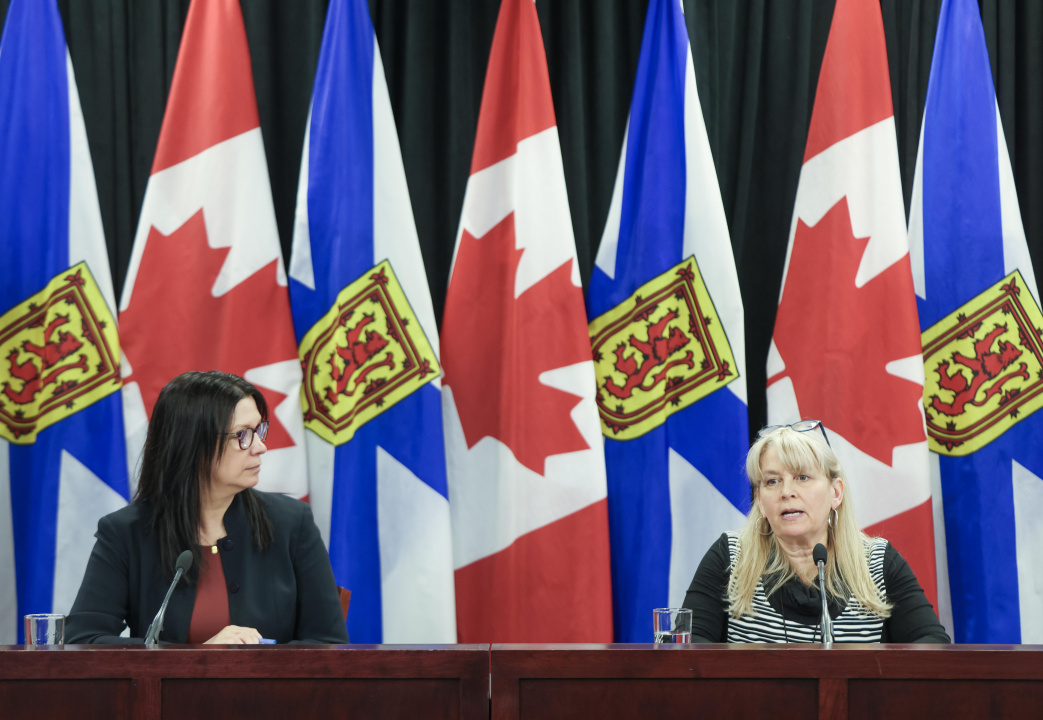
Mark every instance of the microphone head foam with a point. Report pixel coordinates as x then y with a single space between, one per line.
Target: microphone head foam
819 554
184 561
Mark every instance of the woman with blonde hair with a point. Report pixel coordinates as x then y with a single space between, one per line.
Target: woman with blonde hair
760 584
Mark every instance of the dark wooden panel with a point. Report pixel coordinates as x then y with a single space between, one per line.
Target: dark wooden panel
65 699
533 682
945 699
247 661
832 699
536 681
666 699
147 696
436 681
971 662
261 699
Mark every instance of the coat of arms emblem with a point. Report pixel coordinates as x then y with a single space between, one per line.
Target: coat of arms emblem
657 352
364 355
59 353
984 367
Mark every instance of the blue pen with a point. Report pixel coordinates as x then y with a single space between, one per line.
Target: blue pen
266 641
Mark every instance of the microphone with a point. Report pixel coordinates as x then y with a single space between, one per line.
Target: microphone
184 562
820 555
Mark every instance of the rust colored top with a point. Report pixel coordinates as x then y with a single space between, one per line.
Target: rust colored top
210 613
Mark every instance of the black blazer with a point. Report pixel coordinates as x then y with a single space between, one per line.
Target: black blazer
286 592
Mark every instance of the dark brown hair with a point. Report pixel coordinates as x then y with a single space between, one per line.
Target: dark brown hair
185 439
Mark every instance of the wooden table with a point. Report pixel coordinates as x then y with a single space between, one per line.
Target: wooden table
767 681
528 681
287 681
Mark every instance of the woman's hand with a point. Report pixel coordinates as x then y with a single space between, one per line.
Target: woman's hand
235 635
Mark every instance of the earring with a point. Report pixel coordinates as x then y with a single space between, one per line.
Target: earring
834 518
765 534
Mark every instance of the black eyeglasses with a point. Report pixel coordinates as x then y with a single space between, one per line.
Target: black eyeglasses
246 435
799 426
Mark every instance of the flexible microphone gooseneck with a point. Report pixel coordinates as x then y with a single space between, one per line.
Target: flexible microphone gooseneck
820 555
184 562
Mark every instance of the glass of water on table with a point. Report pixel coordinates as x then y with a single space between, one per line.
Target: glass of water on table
672 625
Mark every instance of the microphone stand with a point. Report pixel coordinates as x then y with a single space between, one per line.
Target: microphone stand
184 562
827 622
819 554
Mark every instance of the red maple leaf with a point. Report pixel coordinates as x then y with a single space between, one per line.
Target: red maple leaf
174 323
494 347
836 339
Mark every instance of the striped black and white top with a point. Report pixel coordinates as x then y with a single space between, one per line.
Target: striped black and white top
854 624
792 613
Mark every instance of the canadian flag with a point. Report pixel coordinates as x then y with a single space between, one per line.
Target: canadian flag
526 468
206 286
846 348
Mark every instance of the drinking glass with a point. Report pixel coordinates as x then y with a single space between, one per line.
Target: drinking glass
672 625
45 629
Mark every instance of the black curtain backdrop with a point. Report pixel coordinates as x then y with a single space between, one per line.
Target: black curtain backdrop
756 64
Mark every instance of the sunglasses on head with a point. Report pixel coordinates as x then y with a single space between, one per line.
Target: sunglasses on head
799 426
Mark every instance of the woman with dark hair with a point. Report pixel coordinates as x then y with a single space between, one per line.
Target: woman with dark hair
260 569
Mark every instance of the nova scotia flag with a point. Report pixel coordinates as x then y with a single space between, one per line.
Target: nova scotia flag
369 344
667 330
979 310
62 456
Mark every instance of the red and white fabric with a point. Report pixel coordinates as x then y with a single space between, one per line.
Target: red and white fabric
206 286
526 467
846 347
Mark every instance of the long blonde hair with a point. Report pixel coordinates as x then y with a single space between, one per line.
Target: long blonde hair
847 569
